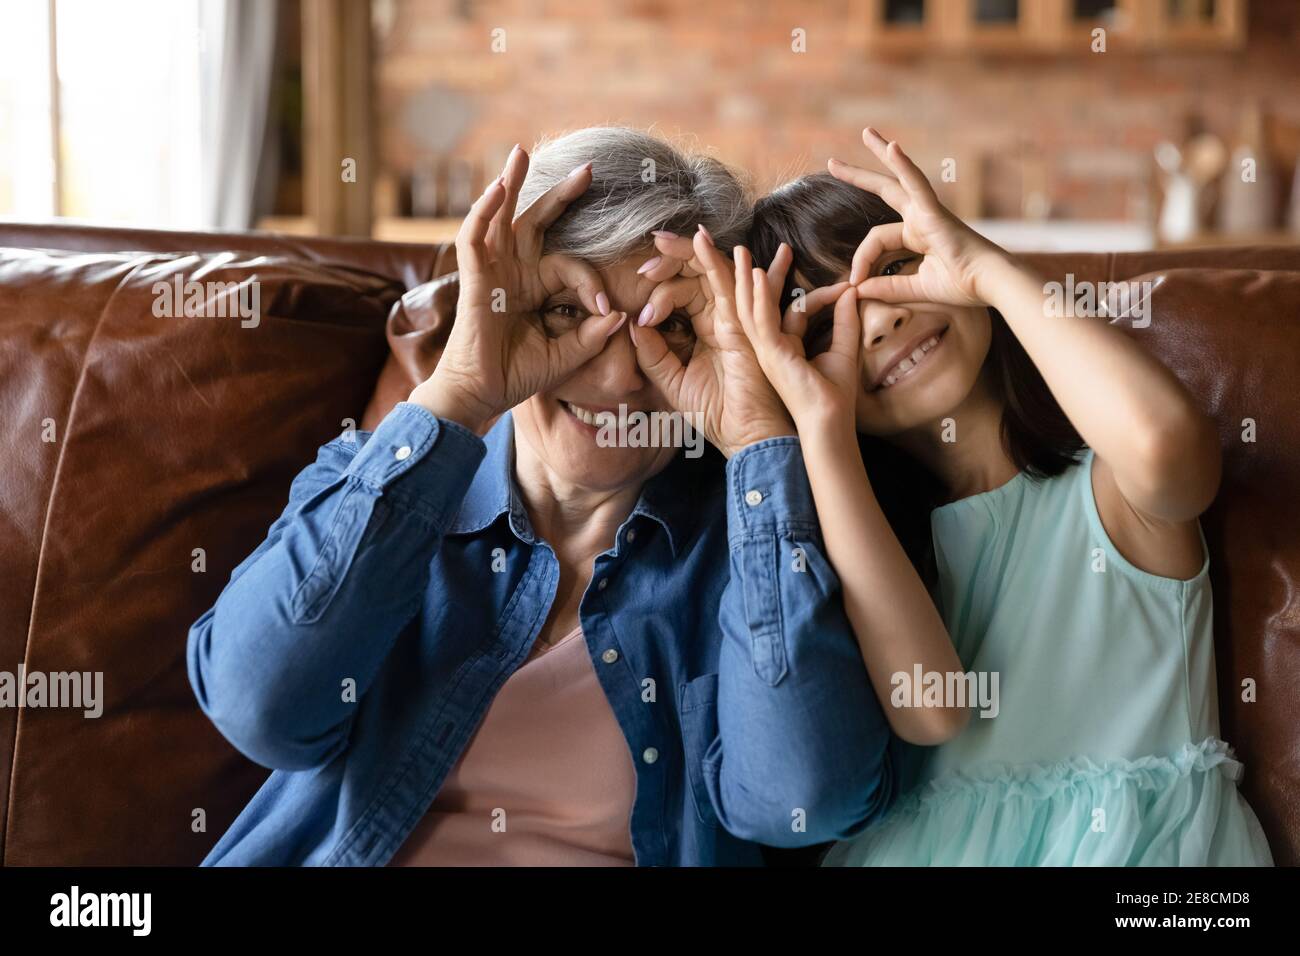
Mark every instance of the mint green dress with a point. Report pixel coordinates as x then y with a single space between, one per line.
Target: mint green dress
1105 749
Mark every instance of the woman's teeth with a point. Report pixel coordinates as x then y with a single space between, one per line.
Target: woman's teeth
910 362
594 419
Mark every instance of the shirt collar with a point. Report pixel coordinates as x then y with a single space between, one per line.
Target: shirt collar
673 498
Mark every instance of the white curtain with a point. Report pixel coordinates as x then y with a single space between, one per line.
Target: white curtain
237 62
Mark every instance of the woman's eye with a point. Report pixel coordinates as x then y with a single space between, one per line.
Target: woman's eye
566 311
677 325
561 317
895 267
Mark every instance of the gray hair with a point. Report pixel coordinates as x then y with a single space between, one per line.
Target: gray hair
639 182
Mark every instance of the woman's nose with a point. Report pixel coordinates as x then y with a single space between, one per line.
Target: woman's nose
614 370
881 321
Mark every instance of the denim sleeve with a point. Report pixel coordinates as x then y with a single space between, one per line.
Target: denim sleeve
801 753
281 660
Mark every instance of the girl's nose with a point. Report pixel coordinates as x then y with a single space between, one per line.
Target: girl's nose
880 321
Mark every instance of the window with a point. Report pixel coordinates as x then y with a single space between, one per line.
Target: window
102 112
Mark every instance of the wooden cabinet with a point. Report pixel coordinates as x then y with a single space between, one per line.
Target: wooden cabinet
1053 26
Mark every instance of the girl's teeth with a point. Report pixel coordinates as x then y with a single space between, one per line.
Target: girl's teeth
910 362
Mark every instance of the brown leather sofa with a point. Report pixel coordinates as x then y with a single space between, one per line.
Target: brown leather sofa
146 457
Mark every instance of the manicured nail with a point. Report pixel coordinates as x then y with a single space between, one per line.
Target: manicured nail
664 234
648 265
577 170
707 234
617 326
631 330
602 303
646 315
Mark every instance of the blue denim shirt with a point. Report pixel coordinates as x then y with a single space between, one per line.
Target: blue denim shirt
358 648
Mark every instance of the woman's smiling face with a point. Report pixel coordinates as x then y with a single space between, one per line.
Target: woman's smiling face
919 360
559 425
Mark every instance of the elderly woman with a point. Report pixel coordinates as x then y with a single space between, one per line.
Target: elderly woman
482 634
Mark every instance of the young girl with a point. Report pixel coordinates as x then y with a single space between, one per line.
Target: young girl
1067 557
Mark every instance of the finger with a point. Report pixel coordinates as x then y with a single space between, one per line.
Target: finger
779 269
885 186
579 345
890 289
667 297
795 321
532 222
879 239
765 326
719 272
682 248
560 272
660 266
501 233
846 335
660 364
899 163
746 276
471 249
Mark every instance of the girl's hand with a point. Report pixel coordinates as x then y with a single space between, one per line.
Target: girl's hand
820 392
954 254
498 354
720 379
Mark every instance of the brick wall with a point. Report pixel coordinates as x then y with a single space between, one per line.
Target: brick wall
723 74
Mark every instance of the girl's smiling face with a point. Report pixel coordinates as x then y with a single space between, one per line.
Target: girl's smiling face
920 360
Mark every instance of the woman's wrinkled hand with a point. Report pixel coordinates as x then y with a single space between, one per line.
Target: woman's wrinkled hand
498 353
721 379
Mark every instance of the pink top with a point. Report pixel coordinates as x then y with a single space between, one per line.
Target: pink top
547 779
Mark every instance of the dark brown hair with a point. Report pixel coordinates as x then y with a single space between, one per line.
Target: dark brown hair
823 220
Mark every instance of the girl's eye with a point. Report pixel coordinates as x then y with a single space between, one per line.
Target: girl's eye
896 267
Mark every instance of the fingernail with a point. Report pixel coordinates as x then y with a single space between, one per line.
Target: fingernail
664 234
648 265
578 169
646 315
618 325
707 234
631 330
602 303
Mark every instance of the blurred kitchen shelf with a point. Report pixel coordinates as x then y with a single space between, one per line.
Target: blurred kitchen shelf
288 225
1022 235
414 229
1213 239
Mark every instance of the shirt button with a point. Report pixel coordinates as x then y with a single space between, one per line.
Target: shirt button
610 656
650 755
631 535
600 586
753 497
403 453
